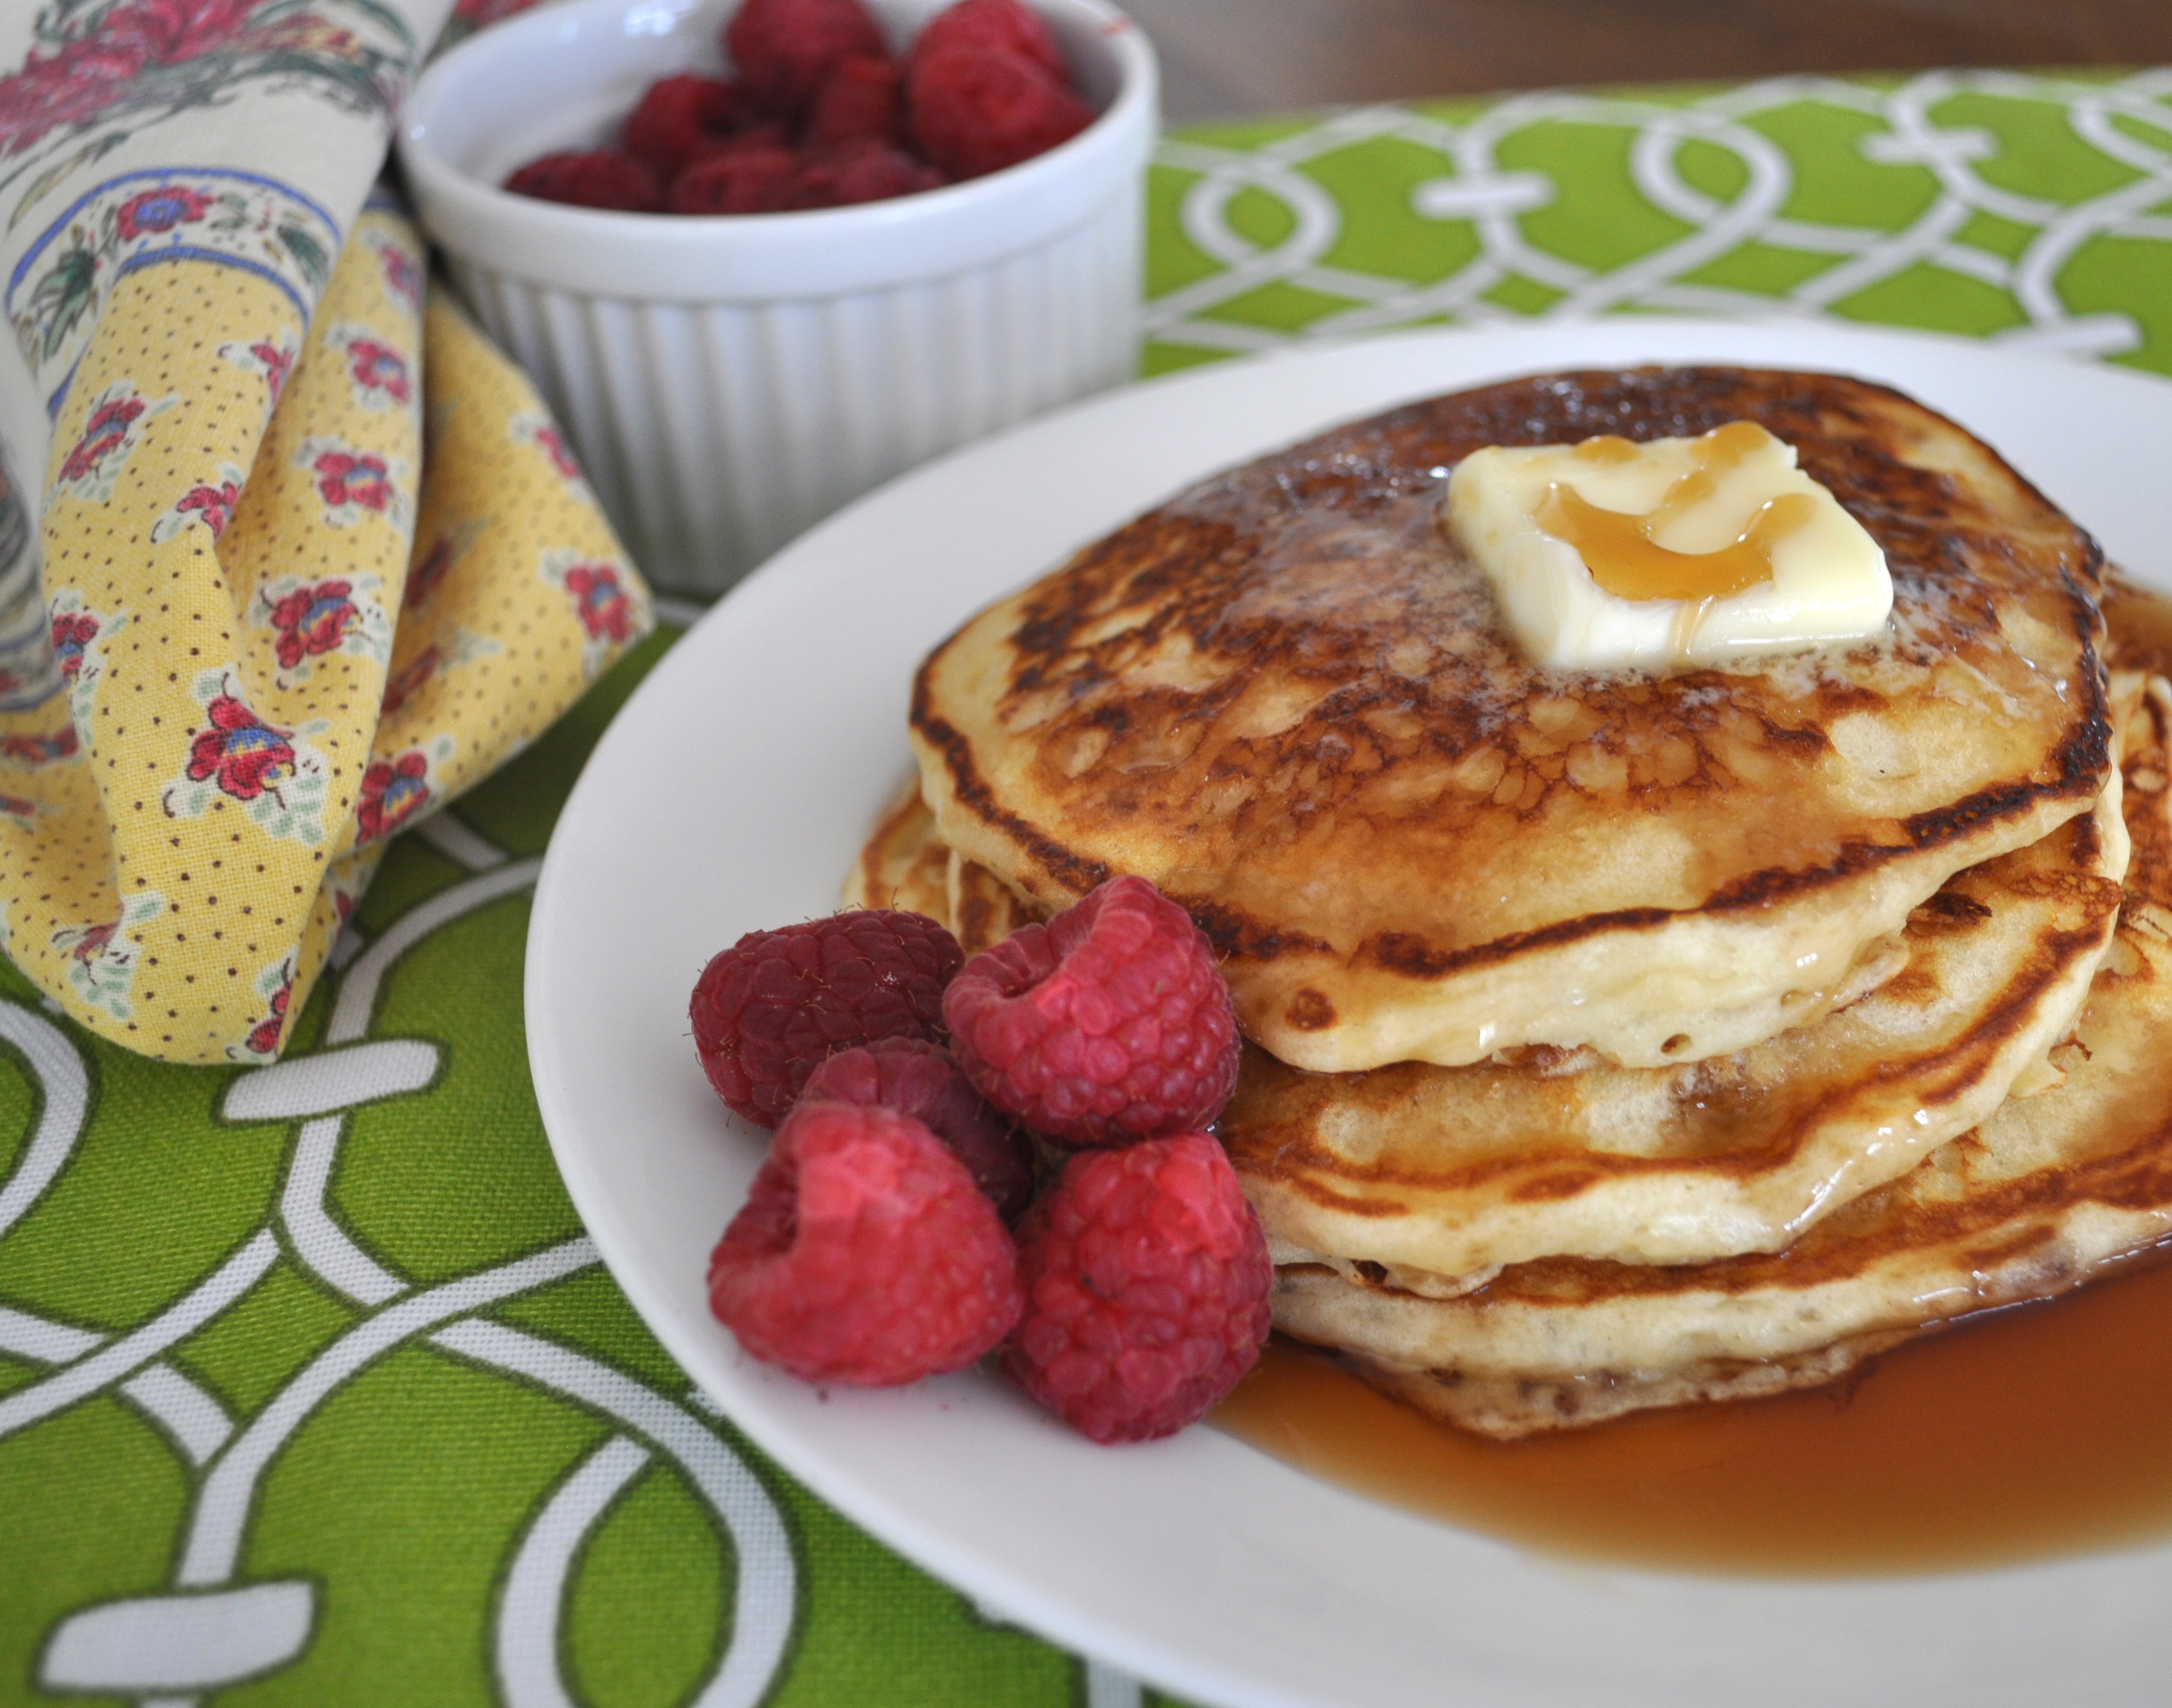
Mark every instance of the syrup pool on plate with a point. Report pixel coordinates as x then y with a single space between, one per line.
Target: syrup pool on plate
2022 1434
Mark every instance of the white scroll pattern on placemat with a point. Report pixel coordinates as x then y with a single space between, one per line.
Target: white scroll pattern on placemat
214 1628
2116 119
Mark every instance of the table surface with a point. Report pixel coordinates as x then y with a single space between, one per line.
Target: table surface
311 1391
1221 57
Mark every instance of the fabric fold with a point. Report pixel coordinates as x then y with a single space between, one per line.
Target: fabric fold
316 558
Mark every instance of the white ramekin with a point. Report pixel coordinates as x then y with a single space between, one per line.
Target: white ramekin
730 380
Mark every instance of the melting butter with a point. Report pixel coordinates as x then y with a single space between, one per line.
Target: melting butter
1611 555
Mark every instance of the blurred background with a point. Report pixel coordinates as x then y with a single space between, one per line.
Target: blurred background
1223 57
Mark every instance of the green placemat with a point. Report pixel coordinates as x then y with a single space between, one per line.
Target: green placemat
312 1392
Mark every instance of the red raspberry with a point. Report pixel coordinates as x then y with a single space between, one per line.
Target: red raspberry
769 1008
861 101
1108 1024
1008 24
761 135
924 1080
784 48
862 174
973 111
602 177
865 1255
676 116
1146 1290
752 180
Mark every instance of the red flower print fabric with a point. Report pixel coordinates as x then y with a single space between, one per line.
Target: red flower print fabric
102 435
546 436
244 755
108 437
239 758
72 632
400 268
80 638
275 983
346 477
34 750
89 74
377 371
212 505
228 567
354 483
314 619
402 685
428 571
609 603
153 210
393 790
144 60
272 357
601 601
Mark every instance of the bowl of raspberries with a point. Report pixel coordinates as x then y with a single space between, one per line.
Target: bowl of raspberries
1009 1157
761 256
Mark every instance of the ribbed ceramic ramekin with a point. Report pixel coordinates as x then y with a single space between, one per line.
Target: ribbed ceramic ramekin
730 380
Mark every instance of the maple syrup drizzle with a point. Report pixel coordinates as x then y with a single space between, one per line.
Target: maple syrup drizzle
2019 1434
1620 551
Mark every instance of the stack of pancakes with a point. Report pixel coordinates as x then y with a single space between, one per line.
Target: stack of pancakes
1615 1040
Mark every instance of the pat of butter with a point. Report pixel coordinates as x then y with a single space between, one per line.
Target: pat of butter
1608 555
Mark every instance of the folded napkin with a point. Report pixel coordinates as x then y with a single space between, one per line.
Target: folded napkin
315 557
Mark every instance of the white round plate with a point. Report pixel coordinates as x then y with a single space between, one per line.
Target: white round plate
734 790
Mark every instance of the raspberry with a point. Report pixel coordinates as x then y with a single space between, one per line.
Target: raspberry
676 116
761 135
861 101
601 178
754 180
769 1008
975 109
862 174
924 1080
865 1255
1110 1024
784 48
1008 24
1146 1280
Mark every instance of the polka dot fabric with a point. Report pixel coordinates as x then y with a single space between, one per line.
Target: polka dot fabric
289 623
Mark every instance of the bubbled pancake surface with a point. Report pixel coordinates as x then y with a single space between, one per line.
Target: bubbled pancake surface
1452 1171
1285 697
2048 1192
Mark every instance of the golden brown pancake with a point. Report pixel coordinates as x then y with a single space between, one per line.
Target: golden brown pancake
2048 1192
1442 1175
1432 1178
1286 698
904 864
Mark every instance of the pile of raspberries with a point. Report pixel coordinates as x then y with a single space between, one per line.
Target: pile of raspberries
822 114
1009 1152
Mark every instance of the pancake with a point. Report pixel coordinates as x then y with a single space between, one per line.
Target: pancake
2137 626
904 864
2047 1193
1443 1173
1287 699
1438 1176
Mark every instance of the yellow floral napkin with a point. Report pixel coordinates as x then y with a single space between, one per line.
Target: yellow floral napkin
316 558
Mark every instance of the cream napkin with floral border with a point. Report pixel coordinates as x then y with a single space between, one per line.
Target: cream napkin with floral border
314 556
